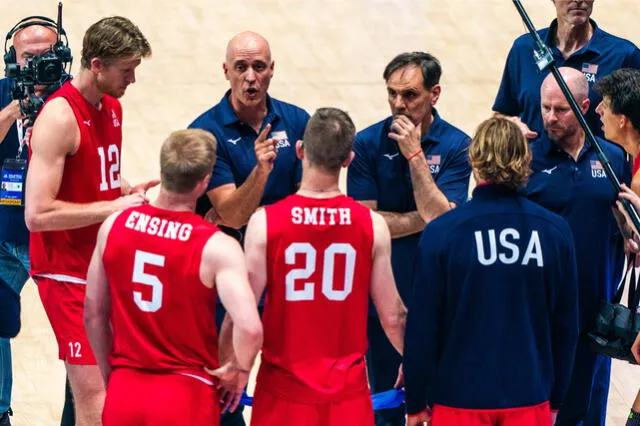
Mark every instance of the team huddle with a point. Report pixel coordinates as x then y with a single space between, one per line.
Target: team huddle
476 307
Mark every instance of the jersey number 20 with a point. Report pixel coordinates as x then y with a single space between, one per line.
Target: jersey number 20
139 276
328 271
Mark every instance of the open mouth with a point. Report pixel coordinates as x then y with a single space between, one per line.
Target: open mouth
252 92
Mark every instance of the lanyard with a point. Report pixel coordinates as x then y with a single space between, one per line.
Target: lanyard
21 136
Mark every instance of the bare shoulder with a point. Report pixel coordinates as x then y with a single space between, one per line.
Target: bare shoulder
381 234
258 219
105 228
220 247
56 125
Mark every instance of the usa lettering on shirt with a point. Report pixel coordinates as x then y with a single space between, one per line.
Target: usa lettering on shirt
508 247
320 216
163 228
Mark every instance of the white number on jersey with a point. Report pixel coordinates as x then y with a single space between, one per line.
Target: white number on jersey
139 276
113 159
306 291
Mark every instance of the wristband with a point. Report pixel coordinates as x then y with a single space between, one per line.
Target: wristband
633 419
415 154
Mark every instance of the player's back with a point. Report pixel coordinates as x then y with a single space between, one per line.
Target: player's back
163 316
319 259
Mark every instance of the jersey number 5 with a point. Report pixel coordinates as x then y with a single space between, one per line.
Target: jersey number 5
139 276
328 271
112 157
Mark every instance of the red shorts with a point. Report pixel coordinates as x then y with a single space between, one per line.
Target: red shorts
136 398
536 415
270 410
64 304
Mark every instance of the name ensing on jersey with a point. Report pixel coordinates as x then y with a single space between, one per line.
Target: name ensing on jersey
160 227
320 216
509 249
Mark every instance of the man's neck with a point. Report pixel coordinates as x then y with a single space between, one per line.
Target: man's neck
252 115
426 124
85 82
319 183
175 202
570 38
632 143
573 144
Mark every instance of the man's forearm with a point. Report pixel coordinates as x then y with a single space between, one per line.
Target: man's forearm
247 343
100 337
236 210
430 201
403 224
394 329
62 215
5 126
225 341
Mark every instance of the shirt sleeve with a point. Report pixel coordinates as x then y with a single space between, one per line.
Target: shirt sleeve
507 98
361 182
453 179
222 172
632 60
304 119
424 323
564 322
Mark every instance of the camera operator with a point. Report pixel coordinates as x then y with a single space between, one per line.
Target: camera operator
32 40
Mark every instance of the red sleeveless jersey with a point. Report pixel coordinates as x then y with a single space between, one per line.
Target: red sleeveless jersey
163 317
319 259
91 174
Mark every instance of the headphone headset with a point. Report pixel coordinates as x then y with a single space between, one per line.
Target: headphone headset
10 53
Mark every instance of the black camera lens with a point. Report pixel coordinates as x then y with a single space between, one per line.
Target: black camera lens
48 70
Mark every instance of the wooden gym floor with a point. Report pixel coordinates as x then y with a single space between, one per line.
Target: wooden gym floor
327 53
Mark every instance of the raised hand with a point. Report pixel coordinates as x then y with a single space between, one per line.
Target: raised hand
265 150
406 134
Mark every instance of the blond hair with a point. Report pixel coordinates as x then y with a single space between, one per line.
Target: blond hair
113 38
186 157
499 153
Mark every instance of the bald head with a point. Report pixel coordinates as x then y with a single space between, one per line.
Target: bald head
559 121
33 41
249 69
576 81
247 41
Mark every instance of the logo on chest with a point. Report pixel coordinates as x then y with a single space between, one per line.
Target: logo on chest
590 71
434 163
116 122
282 138
597 171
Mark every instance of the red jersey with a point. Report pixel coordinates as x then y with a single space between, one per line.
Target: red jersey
319 260
91 174
163 316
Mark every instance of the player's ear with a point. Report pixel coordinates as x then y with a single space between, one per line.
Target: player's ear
299 150
348 161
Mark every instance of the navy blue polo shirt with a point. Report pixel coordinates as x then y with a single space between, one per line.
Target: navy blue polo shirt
12 224
493 317
519 92
236 157
380 172
580 192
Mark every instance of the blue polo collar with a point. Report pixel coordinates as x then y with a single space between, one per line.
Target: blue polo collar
549 147
229 117
492 190
593 45
436 131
